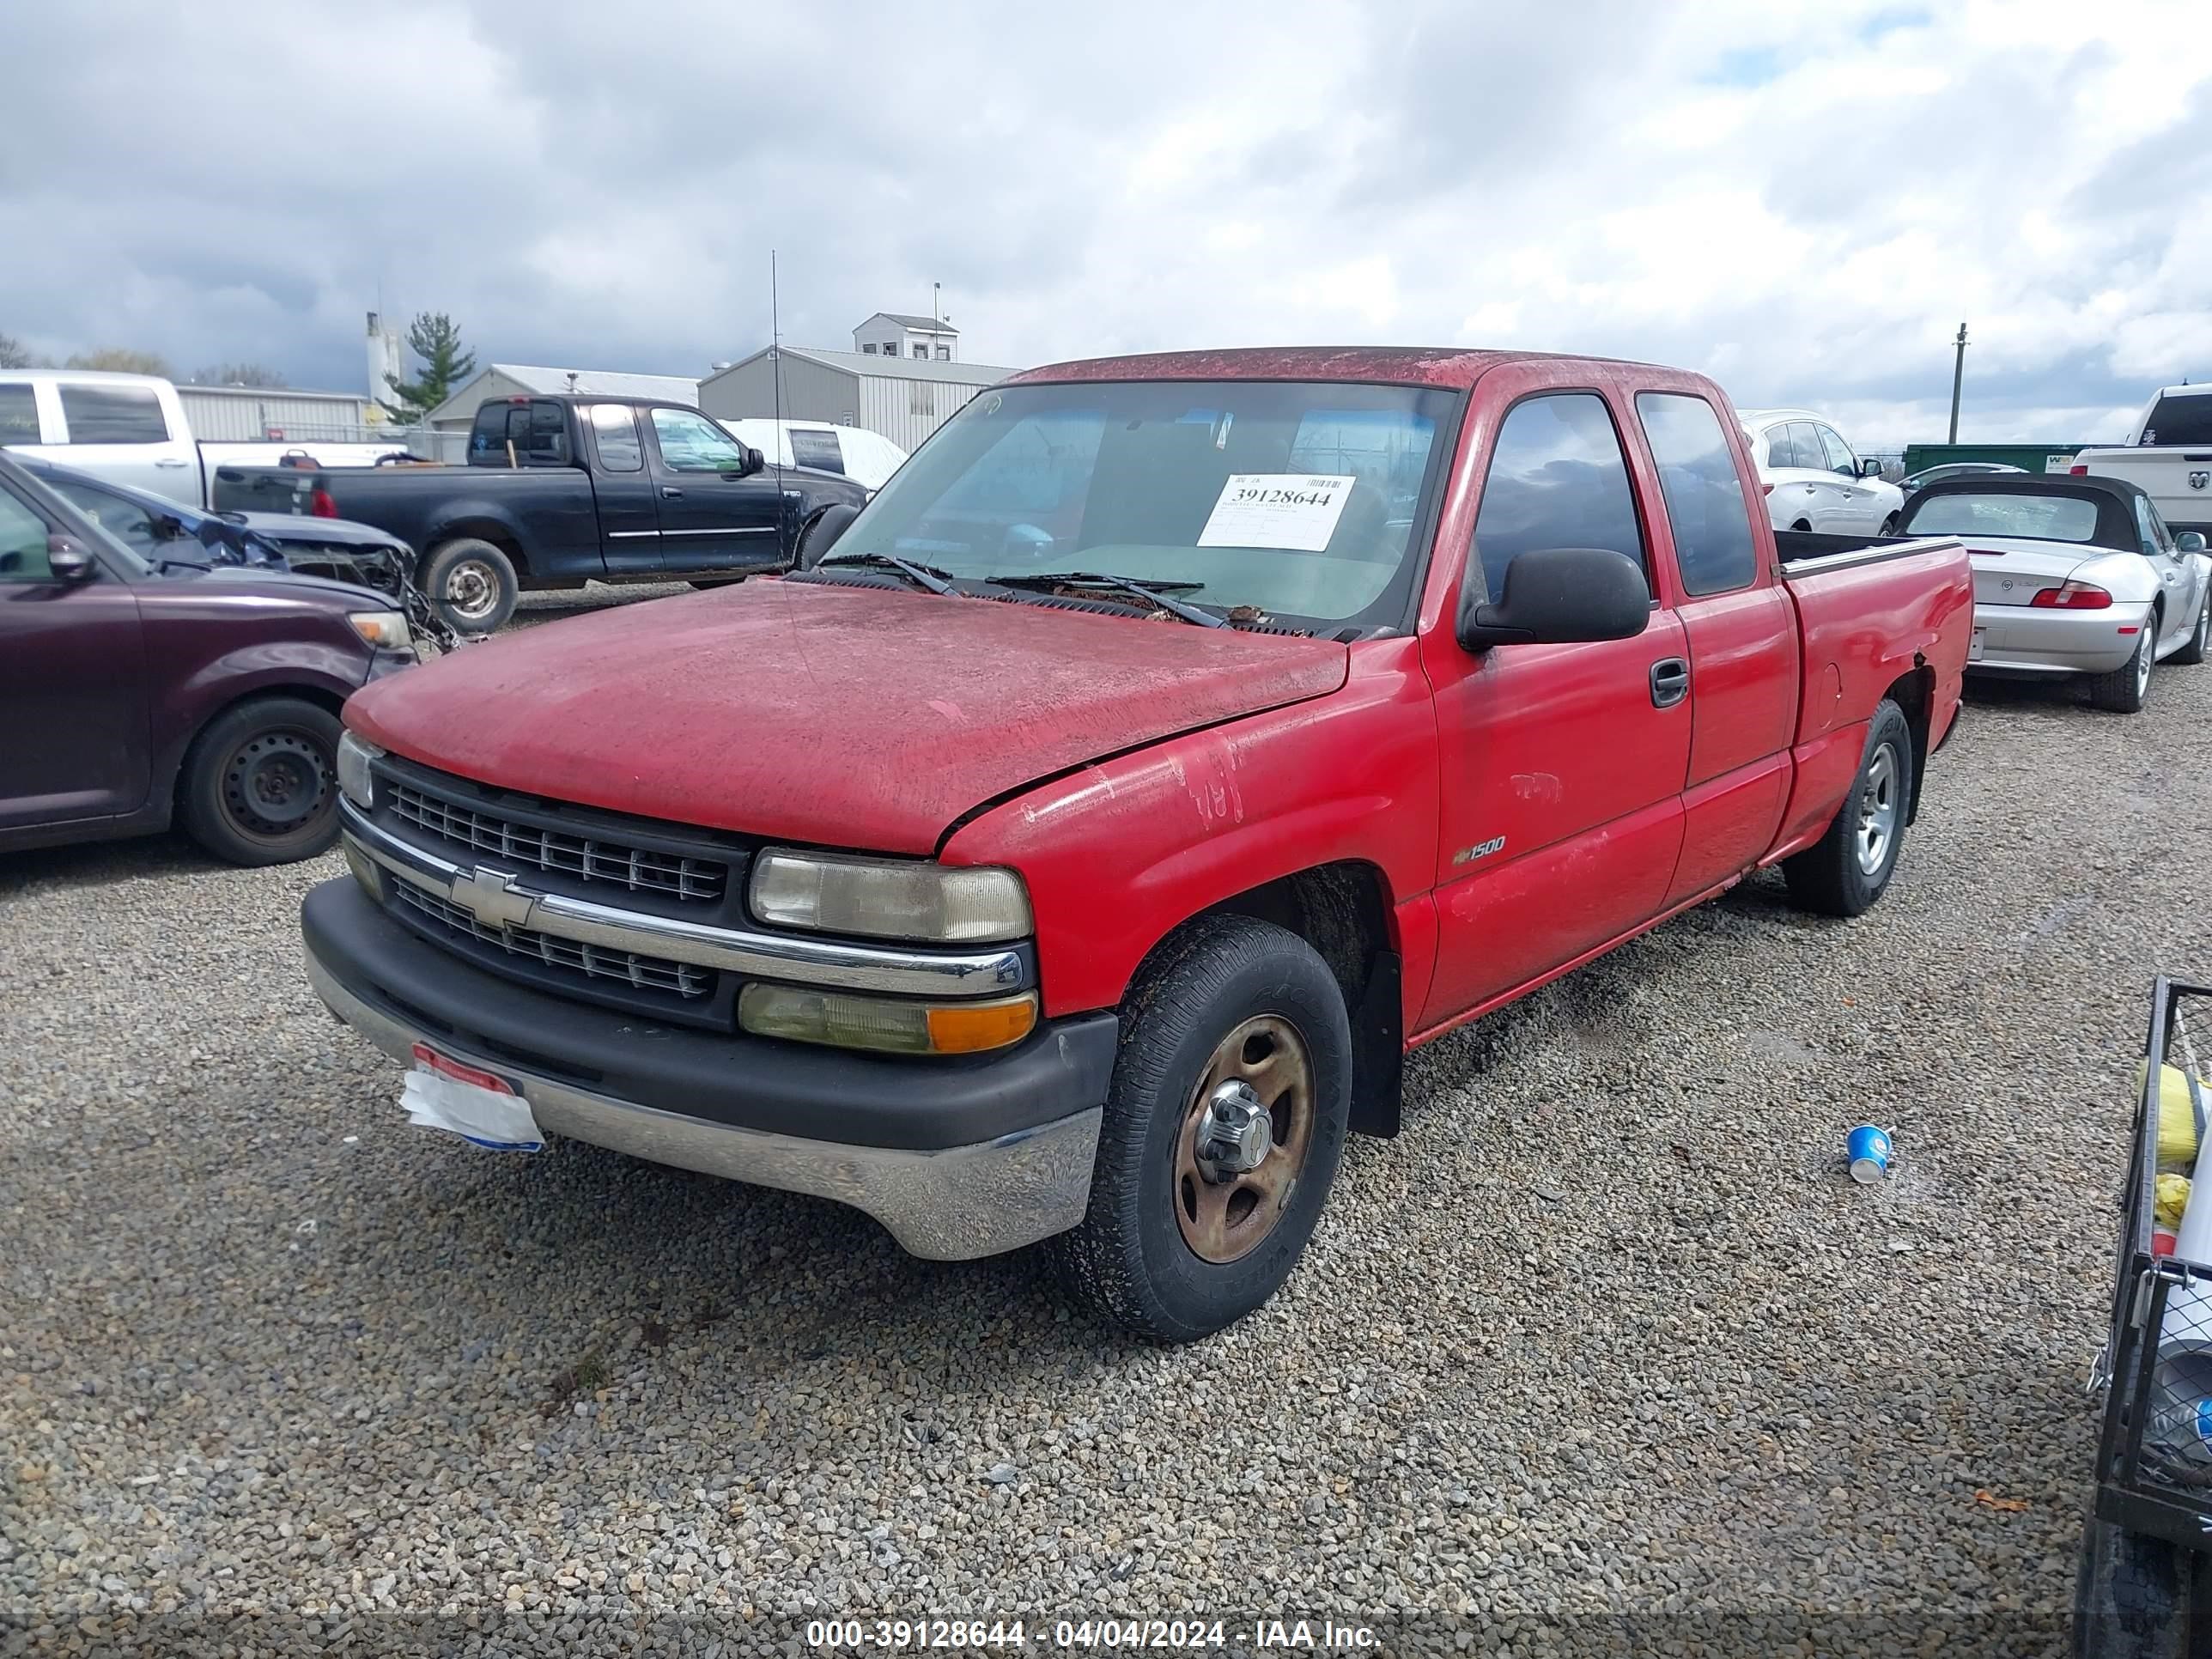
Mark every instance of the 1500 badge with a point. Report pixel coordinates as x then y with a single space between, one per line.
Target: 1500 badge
1481 850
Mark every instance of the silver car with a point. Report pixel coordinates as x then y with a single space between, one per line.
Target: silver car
2073 575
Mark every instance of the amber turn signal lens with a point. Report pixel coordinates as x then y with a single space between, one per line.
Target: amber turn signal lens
971 1028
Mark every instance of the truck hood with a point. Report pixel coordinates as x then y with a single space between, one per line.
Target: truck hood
853 717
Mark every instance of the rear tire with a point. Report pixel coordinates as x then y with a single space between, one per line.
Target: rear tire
1169 1252
260 785
821 533
2123 690
471 583
1845 871
1888 526
2192 652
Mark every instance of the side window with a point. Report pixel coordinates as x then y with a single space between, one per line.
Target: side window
1698 480
114 415
614 429
1840 458
22 542
125 520
2146 523
548 436
1556 479
692 443
1781 448
812 446
19 415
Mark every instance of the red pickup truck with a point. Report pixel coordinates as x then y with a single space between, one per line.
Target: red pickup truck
1071 848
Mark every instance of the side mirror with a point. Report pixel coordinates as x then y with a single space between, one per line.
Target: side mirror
2189 541
1868 467
1559 596
70 559
750 461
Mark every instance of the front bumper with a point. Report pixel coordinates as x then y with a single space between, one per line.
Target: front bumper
957 1158
2019 639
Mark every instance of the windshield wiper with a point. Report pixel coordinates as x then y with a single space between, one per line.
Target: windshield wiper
1157 593
163 565
922 575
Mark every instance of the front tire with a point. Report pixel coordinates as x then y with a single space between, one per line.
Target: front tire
1888 526
1845 871
260 785
1232 1019
2123 691
472 585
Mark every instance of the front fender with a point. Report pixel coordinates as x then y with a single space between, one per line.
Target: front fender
1118 853
325 669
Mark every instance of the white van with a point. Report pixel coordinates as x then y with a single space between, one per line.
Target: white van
861 456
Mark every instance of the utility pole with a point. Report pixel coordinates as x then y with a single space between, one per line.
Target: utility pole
936 305
1957 375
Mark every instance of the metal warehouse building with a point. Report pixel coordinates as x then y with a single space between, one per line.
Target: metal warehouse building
900 398
240 414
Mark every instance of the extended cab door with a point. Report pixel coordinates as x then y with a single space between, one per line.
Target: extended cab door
72 681
1740 631
714 514
1562 765
628 503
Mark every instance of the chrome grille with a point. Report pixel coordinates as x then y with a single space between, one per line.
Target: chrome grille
592 858
595 962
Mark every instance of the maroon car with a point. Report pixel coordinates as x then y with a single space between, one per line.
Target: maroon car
135 694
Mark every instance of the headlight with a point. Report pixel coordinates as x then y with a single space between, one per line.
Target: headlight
354 782
905 1028
385 630
944 904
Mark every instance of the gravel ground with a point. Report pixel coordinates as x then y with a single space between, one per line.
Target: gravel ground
1604 1348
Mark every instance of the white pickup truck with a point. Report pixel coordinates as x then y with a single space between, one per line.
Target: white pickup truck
130 429
2169 455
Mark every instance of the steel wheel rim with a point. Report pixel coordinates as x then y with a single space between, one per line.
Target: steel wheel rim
2144 653
472 590
1223 1222
279 786
1878 804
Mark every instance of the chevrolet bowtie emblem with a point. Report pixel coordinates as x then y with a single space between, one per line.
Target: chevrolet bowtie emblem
491 897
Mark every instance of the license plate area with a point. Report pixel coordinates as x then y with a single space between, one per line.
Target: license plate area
1974 650
482 1108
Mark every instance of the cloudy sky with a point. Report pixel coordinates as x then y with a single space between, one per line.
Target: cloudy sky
1803 200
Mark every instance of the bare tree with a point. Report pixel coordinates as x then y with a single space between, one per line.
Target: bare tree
127 359
253 374
14 354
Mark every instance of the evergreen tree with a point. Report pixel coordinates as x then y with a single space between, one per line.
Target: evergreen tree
434 339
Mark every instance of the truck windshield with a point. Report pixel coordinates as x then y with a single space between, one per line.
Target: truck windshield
1299 499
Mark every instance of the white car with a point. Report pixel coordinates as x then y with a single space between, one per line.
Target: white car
867 458
1815 481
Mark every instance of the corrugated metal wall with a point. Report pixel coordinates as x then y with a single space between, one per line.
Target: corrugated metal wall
811 392
225 417
907 412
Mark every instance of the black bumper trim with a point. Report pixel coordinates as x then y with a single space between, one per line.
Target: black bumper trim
750 1083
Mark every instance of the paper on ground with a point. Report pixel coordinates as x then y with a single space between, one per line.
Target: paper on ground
1277 509
502 1122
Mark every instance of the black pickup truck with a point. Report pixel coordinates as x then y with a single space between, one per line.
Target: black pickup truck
559 491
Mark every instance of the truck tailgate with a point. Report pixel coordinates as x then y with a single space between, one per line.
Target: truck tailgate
2179 480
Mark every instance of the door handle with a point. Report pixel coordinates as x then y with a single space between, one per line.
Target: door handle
169 461
1670 682
670 493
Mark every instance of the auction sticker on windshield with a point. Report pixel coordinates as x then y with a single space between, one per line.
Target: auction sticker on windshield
1296 510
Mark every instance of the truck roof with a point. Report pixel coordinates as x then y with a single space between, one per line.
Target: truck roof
1455 367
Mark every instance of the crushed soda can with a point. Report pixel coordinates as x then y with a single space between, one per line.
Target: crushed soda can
1867 1149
